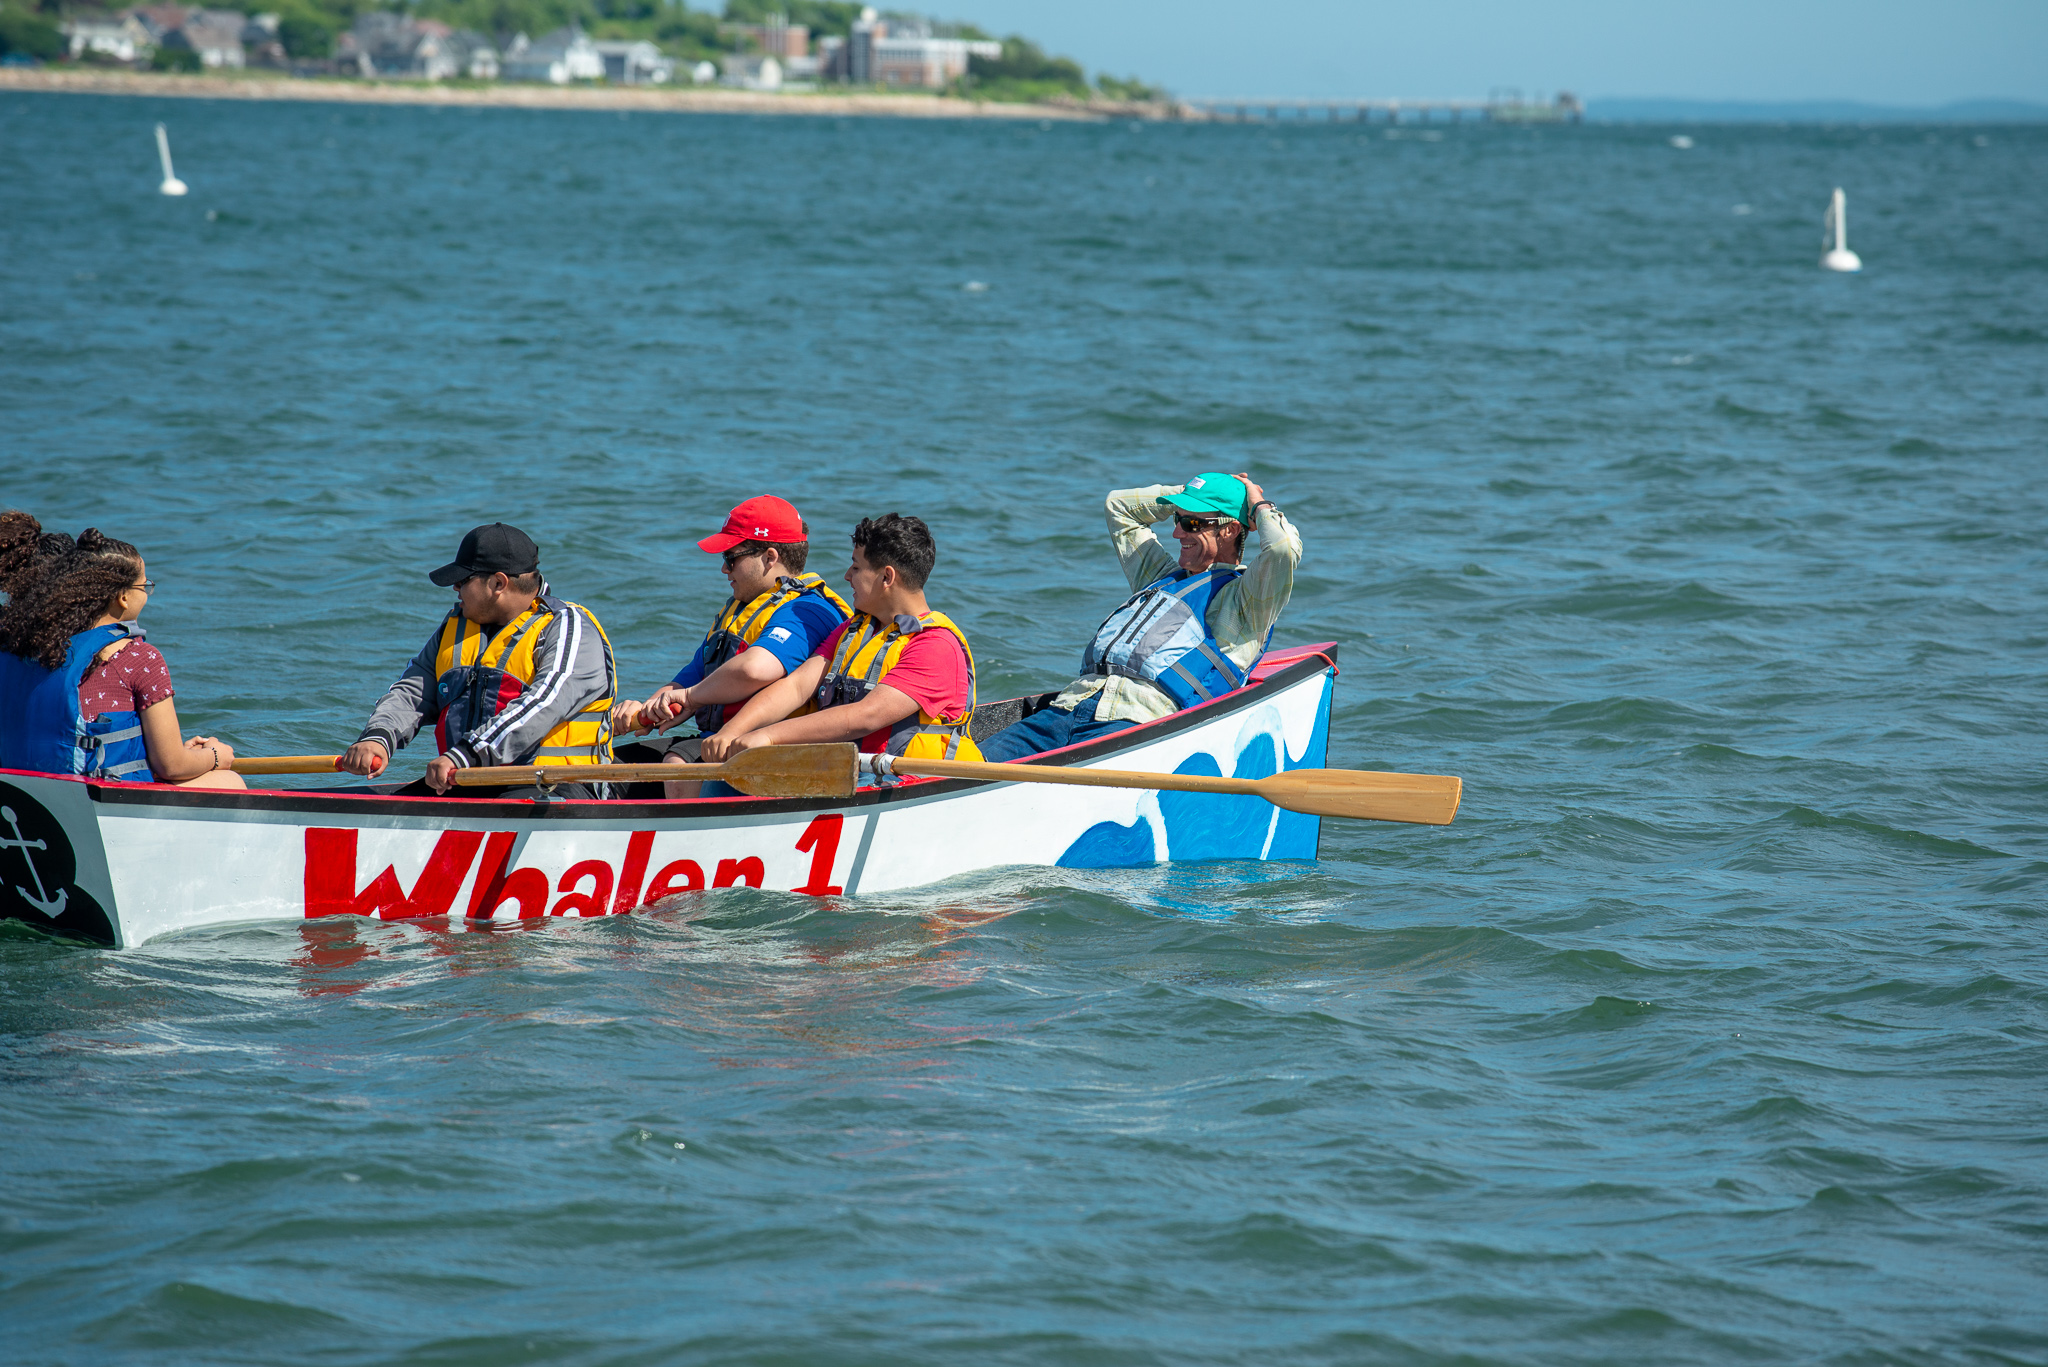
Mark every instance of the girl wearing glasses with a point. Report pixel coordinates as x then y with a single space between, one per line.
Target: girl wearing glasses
81 691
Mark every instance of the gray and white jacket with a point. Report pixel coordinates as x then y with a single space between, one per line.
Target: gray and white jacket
573 668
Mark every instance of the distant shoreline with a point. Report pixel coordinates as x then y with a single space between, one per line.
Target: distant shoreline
1657 109
613 99
699 100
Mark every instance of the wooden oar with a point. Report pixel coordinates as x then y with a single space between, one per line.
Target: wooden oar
288 764
1424 799
829 771
771 771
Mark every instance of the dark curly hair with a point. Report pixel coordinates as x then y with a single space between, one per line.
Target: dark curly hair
904 542
26 550
52 598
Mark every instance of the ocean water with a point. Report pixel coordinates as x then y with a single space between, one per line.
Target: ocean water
1714 1030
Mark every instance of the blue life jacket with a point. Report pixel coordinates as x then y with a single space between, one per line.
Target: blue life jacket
1162 635
40 726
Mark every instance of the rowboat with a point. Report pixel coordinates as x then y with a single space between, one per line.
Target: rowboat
122 863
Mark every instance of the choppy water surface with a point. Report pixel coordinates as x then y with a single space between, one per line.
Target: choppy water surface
1713 1030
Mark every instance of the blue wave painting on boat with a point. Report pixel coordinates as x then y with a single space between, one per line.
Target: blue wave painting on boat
1201 826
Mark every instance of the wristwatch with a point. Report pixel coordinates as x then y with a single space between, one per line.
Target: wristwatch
1265 503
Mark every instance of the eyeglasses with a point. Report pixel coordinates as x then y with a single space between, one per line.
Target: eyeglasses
1196 524
147 586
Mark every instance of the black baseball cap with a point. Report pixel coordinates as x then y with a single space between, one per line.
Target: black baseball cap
495 549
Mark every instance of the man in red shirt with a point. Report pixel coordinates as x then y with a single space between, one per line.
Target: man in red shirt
897 676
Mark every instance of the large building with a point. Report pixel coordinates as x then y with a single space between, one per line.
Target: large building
778 38
879 53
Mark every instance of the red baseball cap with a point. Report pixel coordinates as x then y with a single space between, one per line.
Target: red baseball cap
766 518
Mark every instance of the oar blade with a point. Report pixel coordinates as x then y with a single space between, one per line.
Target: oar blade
1422 799
794 771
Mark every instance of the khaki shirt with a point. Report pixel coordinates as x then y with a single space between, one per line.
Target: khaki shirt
1240 615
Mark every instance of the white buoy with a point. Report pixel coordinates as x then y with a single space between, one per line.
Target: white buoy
172 185
1839 257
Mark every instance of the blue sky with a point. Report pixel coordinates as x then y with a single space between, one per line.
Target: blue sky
1882 51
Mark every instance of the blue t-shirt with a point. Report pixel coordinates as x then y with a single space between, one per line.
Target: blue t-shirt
792 636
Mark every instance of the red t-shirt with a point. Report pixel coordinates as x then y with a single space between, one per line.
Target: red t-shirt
932 670
137 677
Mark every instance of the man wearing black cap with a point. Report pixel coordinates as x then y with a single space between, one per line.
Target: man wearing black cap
513 675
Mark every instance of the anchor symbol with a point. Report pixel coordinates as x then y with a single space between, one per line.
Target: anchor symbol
52 907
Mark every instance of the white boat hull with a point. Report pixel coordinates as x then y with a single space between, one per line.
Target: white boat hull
124 863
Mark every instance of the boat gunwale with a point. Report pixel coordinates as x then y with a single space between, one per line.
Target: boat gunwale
1315 659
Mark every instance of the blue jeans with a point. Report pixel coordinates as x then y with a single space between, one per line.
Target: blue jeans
1050 729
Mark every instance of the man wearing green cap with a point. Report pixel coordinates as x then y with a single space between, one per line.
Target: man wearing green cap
1195 624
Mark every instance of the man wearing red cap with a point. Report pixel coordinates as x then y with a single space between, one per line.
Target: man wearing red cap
898 677
772 623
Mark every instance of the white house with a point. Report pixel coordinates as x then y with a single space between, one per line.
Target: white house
563 56
261 45
216 35
472 54
635 62
123 38
382 43
753 72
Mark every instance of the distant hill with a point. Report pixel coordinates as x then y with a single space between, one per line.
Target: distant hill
1637 110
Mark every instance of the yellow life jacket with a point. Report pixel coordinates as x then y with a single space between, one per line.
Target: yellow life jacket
477 675
741 624
867 650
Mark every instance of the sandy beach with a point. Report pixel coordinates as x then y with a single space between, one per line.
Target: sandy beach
520 96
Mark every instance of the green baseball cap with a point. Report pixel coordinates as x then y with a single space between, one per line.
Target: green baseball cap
1213 492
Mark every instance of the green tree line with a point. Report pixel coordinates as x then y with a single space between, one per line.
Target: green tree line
1024 72
29 32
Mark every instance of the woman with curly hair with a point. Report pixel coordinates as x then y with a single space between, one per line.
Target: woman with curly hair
81 692
26 550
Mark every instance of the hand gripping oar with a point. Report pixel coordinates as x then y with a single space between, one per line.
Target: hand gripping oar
771 771
1424 799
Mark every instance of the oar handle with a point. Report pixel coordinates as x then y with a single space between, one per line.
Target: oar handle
546 775
288 764
823 770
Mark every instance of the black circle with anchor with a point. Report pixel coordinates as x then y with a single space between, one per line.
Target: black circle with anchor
36 869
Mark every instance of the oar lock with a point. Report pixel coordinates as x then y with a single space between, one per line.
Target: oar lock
881 768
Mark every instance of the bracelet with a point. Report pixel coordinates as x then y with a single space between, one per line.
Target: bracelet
1266 503
216 755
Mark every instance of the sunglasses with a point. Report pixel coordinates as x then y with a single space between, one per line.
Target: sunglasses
147 586
1196 524
736 554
